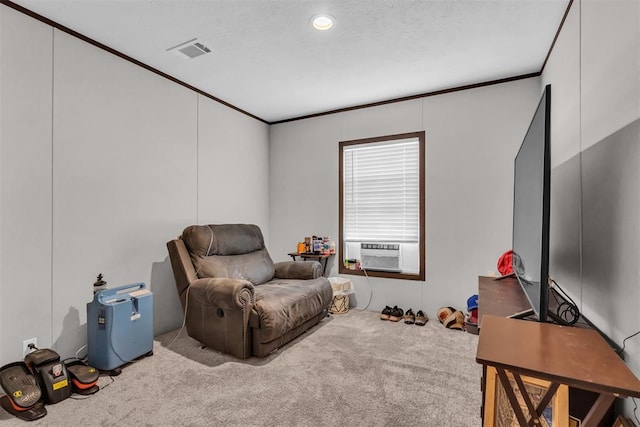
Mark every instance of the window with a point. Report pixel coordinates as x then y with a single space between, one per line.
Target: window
382 208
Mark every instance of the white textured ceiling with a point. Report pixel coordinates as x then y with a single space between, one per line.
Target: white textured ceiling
267 60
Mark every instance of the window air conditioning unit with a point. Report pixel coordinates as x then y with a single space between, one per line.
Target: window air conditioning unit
380 256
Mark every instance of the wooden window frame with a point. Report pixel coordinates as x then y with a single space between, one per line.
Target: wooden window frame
422 244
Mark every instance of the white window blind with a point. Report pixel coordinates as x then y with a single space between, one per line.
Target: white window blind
381 191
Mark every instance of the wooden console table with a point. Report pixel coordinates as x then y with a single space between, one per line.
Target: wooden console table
577 357
500 297
321 258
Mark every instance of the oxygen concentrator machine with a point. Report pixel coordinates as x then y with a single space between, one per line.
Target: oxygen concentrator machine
119 326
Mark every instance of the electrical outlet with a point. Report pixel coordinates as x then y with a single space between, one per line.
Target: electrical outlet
25 346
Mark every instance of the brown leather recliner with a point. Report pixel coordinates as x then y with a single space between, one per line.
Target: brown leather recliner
236 299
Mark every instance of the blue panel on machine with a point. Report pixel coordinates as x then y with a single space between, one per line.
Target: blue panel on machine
119 326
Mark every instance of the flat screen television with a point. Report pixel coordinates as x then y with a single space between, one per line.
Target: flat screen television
532 173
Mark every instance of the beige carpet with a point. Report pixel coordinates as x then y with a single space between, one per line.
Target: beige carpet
352 369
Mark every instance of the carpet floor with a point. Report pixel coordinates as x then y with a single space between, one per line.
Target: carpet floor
351 369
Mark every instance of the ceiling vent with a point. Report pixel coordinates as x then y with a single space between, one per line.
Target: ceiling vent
189 49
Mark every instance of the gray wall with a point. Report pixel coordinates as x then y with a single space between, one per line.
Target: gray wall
594 71
25 182
471 140
101 163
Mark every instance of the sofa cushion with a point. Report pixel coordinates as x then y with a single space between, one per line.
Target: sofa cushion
222 239
283 304
256 267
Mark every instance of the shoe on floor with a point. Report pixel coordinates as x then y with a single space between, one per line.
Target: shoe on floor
455 321
385 313
421 318
396 314
409 317
444 313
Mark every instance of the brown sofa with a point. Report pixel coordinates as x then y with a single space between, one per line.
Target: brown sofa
236 299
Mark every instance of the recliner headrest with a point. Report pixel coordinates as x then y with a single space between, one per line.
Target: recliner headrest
222 239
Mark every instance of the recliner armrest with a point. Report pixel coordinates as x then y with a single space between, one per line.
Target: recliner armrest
298 270
218 313
227 293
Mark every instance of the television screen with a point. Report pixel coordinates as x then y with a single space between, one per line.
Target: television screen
531 209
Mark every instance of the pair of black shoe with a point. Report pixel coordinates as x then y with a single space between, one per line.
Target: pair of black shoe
393 314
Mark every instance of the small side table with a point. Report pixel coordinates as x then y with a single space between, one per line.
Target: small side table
322 258
577 357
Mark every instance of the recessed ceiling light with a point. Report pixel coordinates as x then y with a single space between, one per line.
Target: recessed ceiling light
322 22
